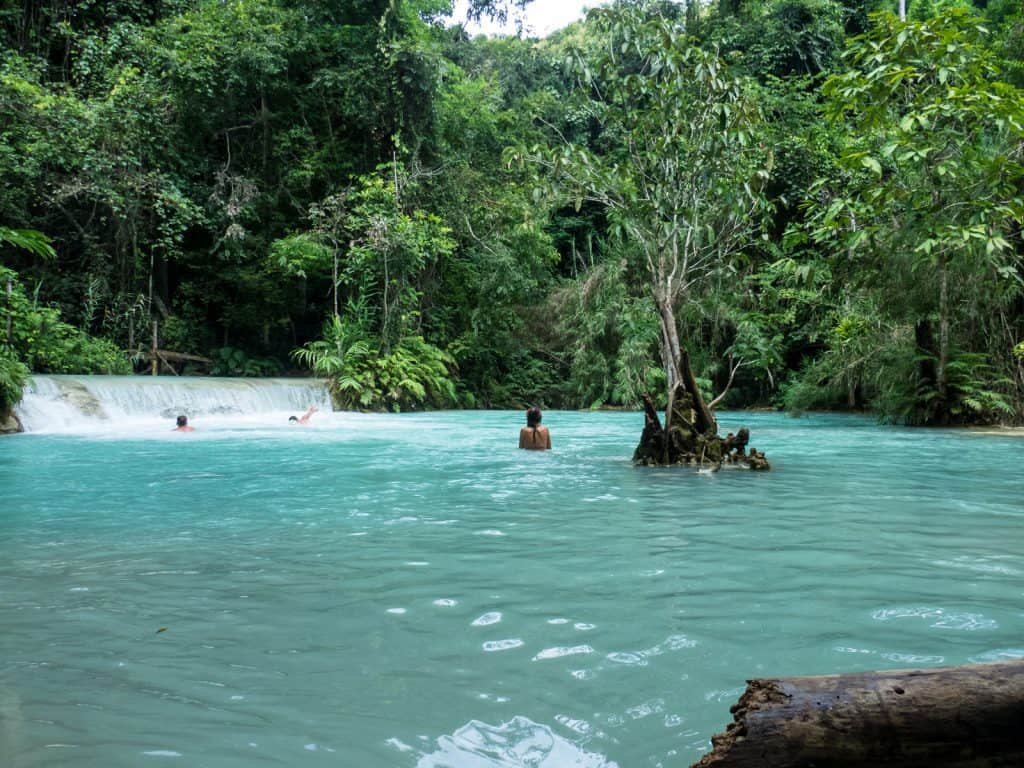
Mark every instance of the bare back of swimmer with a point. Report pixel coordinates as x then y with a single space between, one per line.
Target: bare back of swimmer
534 437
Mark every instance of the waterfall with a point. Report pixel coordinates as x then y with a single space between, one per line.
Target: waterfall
89 403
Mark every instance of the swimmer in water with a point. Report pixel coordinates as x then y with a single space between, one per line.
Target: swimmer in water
304 418
533 436
183 425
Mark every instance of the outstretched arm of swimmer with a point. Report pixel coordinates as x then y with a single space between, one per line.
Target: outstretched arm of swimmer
305 417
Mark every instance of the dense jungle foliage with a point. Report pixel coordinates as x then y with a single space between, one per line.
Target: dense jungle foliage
820 203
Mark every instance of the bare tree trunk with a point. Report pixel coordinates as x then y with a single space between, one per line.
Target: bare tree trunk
155 369
941 374
10 312
670 353
962 717
677 368
705 421
334 277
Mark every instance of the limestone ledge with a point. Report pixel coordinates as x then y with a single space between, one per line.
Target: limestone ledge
9 424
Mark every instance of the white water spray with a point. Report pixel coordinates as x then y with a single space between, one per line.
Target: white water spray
90 403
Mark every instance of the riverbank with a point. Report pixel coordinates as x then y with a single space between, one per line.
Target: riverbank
995 431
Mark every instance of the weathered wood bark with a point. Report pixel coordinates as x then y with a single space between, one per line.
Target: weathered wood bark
704 422
952 717
652 439
682 441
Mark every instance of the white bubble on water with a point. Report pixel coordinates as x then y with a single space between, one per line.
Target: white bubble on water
487 619
915 659
560 651
401 746
648 708
848 649
519 742
396 611
940 618
674 721
581 727
445 602
631 659
502 645
1002 654
679 642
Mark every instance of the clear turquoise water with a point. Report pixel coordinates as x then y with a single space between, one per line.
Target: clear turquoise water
414 591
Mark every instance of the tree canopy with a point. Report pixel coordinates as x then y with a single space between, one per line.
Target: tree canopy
815 204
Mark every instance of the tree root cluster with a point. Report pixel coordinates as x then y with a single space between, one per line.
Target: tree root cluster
692 438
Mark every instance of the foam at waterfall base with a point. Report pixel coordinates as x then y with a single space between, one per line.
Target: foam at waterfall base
87 404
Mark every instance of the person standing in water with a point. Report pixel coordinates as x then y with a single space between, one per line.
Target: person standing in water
304 418
534 437
183 425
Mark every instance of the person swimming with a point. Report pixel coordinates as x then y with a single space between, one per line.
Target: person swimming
533 436
304 418
183 426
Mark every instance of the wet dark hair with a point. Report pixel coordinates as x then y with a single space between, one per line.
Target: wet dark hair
533 417
182 420
293 418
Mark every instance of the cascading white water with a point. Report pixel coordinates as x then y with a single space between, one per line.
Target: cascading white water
86 403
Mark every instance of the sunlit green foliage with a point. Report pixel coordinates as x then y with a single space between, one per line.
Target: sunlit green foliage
13 377
411 374
241 172
44 343
931 198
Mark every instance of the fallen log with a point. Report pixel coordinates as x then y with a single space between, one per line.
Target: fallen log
951 717
176 357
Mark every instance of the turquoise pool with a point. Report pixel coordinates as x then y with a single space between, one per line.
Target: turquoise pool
414 591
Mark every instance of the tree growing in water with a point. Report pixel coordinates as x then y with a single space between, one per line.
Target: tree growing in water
675 164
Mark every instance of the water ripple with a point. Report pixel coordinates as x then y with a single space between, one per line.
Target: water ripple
939 618
514 744
319 586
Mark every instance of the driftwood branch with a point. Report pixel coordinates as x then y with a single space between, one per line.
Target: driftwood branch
177 357
733 367
951 717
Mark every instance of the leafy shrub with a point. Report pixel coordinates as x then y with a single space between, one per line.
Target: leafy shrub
229 361
872 364
972 393
46 344
13 376
413 374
